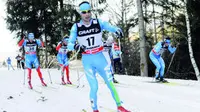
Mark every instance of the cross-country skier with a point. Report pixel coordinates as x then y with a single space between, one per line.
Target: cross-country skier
9 64
62 58
109 55
30 47
18 58
116 52
22 61
89 34
155 56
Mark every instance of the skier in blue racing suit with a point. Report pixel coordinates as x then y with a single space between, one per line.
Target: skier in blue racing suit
155 56
88 32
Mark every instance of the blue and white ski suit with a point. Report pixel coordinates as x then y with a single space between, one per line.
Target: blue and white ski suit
62 54
93 59
31 53
155 56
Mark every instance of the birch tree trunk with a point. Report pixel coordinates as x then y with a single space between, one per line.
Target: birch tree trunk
143 56
145 15
190 43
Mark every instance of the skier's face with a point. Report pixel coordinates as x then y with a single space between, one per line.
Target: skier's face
86 15
65 43
167 44
31 40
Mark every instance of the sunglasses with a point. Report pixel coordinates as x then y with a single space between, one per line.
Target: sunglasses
84 12
167 42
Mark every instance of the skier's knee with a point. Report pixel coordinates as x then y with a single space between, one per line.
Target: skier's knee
158 67
163 66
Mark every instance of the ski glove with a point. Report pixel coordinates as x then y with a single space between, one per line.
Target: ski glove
81 47
119 33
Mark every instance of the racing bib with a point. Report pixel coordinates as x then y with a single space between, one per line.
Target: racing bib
90 37
30 46
63 49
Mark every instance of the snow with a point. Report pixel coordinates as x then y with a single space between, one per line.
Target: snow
138 94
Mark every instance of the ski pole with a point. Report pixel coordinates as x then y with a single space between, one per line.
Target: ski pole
121 60
78 78
49 75
171 62
49 71
62 71
24 76
120 50
75 55
78 75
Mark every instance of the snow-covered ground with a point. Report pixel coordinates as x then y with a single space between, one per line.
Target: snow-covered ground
138 94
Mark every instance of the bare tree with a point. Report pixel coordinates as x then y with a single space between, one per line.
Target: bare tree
154 23
143 56
190 43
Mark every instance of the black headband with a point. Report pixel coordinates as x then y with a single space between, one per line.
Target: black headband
83 3
168 38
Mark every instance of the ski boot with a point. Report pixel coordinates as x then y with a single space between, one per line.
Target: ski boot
115 81
96 111
163 81
157 79
69 82
122 109
63 81
30 85
43 83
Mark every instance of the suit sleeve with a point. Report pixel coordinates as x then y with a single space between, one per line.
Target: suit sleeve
21 42
72 37
58 46
171 49
39 42
107 26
